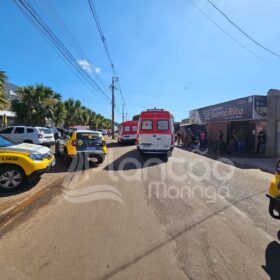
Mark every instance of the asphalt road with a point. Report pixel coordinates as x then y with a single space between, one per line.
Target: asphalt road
139 218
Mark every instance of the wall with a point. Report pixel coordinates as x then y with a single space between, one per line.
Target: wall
273 126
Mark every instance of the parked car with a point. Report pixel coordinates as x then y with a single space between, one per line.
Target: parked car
88 142
29 134
103 131
22 163
56 132
127 132
155 133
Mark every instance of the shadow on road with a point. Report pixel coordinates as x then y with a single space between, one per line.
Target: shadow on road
272 259
117 145
60 166
133 160
4 193
211 155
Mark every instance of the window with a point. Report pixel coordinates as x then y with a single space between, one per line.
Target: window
163 125
127 128
6 130
87 136
45 130
147 125
30 130
19 130
134 128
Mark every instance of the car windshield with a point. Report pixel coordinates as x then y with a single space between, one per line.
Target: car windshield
87 136
45 130
4 142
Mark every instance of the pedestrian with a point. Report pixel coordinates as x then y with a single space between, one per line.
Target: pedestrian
190 137
261 142
240 141
184 137
179 137
221 143
232 142
202 138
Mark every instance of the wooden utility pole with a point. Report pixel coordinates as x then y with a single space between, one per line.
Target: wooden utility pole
113 107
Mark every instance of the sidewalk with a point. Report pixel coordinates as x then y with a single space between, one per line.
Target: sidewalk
248 161
262 163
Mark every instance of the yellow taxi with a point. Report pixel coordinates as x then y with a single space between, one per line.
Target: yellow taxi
87 142
274 194
22 163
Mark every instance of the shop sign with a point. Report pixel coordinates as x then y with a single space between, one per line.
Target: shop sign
248 108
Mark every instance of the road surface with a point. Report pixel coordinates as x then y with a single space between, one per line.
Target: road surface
138 218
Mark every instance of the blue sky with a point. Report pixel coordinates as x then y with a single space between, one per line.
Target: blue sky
167 54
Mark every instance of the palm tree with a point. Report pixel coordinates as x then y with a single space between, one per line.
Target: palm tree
92 120
59 113
36 104
3 101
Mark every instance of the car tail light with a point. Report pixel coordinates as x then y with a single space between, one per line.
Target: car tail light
74 143
40 135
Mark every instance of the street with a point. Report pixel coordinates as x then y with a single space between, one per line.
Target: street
135 217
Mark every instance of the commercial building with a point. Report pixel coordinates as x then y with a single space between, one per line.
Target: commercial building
7 117
251 114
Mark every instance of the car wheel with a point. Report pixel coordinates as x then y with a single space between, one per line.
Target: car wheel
11 177
66 158
28 141
273 209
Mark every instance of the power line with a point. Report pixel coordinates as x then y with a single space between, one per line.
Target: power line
225 31
242 31
52 38
103 39
58 23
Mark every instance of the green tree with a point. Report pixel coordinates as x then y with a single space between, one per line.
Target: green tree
59 113
3 100
36 104
136 117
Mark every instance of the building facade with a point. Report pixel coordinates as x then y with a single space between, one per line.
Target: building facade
7 117
273 123
251 115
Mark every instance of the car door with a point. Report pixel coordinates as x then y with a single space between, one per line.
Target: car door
18 134
147 135
7 132
163 134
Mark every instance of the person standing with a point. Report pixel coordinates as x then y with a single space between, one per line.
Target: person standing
221 145
240 141
202 138
232 142
261 142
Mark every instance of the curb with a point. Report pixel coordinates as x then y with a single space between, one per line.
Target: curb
16 209
249 166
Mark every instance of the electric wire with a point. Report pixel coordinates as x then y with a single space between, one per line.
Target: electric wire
103 39
53 39
242 31
225 31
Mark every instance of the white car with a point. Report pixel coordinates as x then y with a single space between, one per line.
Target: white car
29 134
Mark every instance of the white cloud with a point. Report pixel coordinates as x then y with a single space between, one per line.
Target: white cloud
85 65
97 70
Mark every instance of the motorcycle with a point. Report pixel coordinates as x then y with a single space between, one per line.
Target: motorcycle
274 194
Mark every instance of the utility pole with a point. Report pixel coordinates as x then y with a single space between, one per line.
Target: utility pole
113 107
123 113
